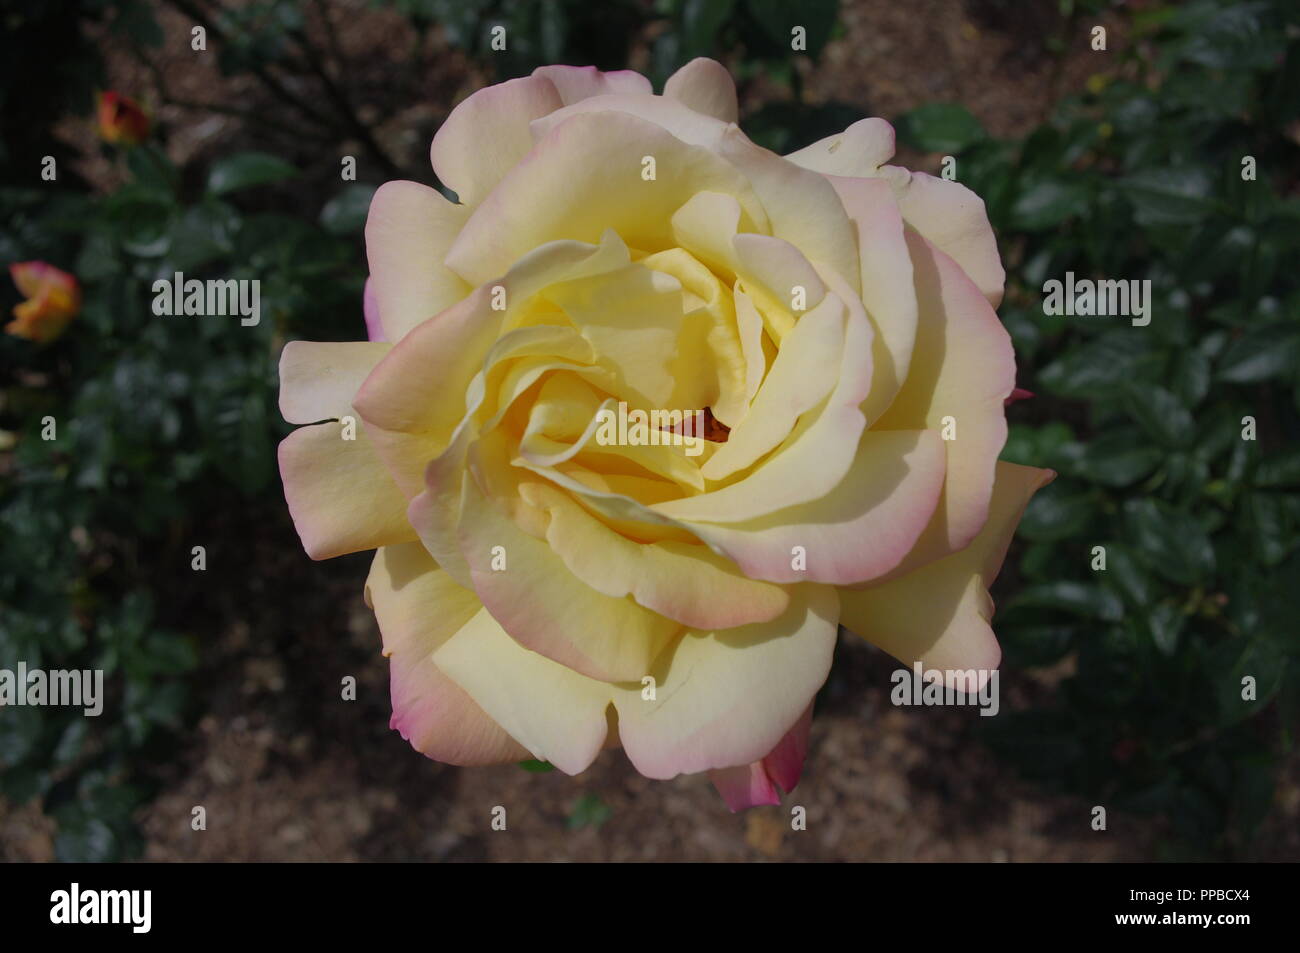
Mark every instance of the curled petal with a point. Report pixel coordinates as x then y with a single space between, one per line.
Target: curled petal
487 134
750 785
705 86
408 232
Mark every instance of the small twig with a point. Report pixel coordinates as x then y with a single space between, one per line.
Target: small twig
343 102
267 78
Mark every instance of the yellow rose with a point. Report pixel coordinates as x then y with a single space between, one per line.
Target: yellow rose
546 589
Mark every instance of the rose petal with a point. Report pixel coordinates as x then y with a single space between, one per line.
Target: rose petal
418 608
888 294
370 309
963 367
784 764
857 152
953 219
408 231
939 614
318 380
745 786
861 529
487 135
584 178
341 498
551 710
705 86
545 608
684 582
575 83
726 698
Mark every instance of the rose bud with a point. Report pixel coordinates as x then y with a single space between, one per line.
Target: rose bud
122 121
53 299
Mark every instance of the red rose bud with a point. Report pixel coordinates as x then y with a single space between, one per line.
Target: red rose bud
53 299
121 120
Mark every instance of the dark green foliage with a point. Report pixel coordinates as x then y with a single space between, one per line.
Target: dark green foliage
159 419
1142 179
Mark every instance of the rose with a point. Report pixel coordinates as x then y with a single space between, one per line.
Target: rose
53 298
544 594
121 119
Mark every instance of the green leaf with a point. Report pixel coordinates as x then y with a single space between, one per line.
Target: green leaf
1233 38
1261 353
1094 368
1057 513
1172 543
247 169
1078 598
779 17
1128 576
1048 203
1169 196
1035 644
940 127
1259 660
152 169
1279 469
345 214
1191 380
1165 621
700 22
1118 458
167 653
536 767
201 234
1270 528
589 811
1159 413
1036 446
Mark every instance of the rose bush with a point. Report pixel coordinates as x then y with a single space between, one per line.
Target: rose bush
835 316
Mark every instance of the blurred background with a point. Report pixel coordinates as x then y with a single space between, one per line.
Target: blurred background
1120 688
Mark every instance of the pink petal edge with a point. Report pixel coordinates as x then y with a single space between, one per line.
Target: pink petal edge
749 785
370 307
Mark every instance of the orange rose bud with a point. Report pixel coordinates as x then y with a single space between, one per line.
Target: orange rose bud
53 299
121 120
